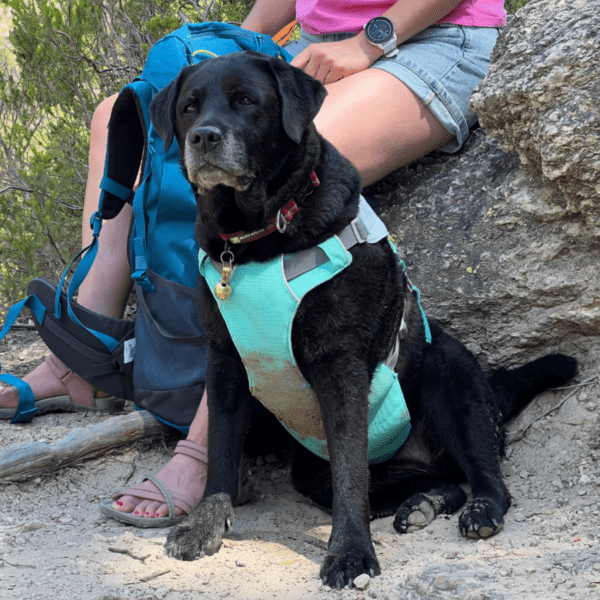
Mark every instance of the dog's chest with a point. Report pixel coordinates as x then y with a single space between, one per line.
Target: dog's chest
259 315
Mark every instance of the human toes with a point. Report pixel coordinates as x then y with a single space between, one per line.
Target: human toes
163 511
141 508
150 508
126 504
157 509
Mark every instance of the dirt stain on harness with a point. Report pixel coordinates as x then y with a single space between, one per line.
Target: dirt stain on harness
282 390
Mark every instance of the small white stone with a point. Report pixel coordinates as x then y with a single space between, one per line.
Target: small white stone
362 582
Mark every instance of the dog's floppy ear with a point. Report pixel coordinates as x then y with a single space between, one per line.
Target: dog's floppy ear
162 109
301 97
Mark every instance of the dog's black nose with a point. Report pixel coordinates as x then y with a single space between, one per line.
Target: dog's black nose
205 138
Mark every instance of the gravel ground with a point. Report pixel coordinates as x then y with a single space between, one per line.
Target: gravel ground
55 544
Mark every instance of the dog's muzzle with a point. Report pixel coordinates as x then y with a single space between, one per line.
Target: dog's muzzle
214 157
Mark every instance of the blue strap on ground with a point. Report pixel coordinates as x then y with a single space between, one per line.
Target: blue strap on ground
26 408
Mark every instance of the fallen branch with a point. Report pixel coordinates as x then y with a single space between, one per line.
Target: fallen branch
30 460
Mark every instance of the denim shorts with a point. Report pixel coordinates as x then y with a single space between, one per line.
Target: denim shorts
441 65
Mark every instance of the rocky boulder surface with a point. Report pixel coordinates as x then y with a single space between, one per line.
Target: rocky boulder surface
503 238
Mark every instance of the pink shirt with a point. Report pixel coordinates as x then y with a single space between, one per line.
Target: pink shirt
335 16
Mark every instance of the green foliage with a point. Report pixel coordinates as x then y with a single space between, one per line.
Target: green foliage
63 57
512 6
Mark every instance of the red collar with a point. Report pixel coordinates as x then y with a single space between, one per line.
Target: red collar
279 223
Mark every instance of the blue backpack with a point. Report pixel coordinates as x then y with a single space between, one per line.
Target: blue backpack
158 360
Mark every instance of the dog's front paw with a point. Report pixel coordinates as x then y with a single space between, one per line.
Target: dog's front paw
342 569
202 533
481 518
414 513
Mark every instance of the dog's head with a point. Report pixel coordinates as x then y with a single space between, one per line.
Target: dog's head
236 117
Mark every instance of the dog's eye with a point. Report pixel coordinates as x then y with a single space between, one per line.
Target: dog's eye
246 101
188 108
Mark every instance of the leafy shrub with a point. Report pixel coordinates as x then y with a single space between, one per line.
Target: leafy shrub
62 59
512 6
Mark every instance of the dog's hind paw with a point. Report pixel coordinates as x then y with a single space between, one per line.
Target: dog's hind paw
481 518
414 513
340 570
202 532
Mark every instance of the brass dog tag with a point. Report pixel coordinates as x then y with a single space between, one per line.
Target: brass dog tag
223 288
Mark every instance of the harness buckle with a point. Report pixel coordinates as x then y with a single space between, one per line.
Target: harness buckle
361 236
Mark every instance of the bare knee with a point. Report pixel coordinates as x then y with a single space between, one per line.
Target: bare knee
101 115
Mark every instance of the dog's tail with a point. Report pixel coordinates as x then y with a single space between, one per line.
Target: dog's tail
515 388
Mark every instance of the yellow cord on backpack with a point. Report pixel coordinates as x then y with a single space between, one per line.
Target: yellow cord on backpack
205 52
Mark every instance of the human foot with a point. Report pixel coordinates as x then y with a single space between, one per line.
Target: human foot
184 477
180 482
55 387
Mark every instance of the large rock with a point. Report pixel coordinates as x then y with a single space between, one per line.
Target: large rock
541 98
507 255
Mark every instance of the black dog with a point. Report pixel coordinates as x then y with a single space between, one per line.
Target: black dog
244 128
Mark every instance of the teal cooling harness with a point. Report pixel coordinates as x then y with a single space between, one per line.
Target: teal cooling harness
259 315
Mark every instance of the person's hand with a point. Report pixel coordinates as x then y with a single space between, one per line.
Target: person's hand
332 61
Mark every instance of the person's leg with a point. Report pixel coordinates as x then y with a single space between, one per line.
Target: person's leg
106 288
378 123
182 474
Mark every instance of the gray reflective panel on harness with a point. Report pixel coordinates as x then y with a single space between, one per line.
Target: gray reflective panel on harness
367 227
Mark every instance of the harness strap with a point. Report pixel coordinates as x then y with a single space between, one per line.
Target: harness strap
367 227
301 262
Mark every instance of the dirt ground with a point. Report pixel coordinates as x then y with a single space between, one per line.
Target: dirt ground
54 543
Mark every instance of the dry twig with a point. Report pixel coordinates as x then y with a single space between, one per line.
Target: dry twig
129 553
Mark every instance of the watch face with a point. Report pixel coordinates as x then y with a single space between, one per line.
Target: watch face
379 30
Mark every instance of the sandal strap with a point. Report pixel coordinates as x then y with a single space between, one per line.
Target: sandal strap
79 390
166 492
157 495
193 449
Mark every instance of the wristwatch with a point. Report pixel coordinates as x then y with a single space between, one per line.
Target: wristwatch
381 32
